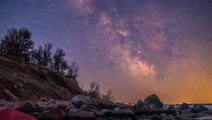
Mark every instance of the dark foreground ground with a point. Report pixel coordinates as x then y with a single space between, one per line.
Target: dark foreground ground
83 107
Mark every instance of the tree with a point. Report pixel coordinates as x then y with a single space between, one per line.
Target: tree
73 70
46 54
59 60
36 56
43 56
33 56
17 42
64 65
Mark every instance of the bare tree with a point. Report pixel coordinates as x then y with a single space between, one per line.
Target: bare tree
73 70
47 54
17 42
59 60
43 55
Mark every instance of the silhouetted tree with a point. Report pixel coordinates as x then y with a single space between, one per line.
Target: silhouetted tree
17 42
33 57
64 65
43 55
36 56
59 60
46 54
73 71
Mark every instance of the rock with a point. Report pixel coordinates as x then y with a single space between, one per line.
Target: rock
101 103
170 117
139 103
36 114
171 109
53 114
184 106
26 107
123 112
79 100
45 99
91 108
63 104
107 112
156 117
78 114
71 106
154 101
52 101
143 109
117 112
84 106
99 114
199 108
41 106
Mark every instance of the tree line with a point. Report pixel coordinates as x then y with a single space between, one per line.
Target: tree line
18 43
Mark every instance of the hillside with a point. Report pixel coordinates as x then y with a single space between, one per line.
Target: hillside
21 81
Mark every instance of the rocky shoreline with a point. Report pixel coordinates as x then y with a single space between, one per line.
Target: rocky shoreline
83 107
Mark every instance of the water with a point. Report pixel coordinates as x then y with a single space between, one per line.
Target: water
208 106
207 117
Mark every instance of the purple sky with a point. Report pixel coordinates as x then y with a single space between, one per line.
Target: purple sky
134 47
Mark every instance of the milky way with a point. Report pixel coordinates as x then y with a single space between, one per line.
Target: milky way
134 47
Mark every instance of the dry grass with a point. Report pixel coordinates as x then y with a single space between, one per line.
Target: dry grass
20 80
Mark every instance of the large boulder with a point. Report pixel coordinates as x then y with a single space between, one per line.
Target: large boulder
153 101
199 108
139 104
143 109
79 100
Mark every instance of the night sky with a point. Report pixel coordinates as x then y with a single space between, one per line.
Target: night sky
133 47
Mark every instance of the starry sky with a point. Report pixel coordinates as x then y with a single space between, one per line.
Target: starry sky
133 47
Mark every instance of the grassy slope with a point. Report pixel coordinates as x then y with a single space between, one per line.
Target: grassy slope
19 80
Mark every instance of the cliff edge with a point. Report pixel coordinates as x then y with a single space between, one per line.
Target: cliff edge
27 81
